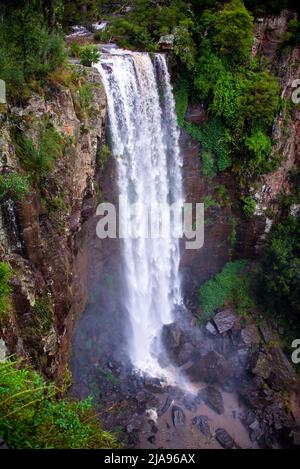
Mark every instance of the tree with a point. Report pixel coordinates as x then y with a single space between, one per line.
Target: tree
234 25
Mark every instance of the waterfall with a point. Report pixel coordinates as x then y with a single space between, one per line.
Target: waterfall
144 143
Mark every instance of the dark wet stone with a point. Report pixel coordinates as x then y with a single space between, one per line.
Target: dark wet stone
265 332
225 440
211 368
178 416
262 367
282 373
172 336
151 439
184 354
214 399
250 335
165 406
134 424
211 329
201 422
154 385
224 321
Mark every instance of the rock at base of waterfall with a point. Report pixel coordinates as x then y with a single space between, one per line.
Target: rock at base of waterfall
165 406
250 335
211 368
225 440
154 385
213 398
178 416
172 336
224 321
201 422
210 328
262 366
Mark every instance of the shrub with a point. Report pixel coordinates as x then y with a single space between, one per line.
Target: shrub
208 164
4 285
13 185
38 159
212 137
89 54
223 288
32 415
249 206
75 49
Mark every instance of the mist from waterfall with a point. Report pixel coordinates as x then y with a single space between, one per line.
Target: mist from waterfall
144 140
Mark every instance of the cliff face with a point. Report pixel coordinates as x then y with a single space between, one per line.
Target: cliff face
228 233
42 236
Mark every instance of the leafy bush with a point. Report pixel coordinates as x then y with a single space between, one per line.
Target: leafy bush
231 285
75 49
212 137
4 285
249 206
32 415
38 159
208 164
13 185
89 54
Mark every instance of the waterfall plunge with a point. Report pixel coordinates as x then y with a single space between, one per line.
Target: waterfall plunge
144 137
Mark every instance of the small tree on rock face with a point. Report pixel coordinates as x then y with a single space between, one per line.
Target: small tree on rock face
89 54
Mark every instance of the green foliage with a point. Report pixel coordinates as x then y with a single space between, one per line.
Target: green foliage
212 137
147 21
89 54
28 52
231 285
208 69
13 185
208 164
75 49
32 415
234 26
38 159
259 145
43 314
181 92
280 271
209 201
184 46
249 206
85 94
4 285
103 155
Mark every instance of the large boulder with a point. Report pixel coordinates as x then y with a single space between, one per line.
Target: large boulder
250 335
201 422
178 416
213 398
282 373
224 321
225 440
211 368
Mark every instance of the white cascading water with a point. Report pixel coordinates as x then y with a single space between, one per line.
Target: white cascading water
144 138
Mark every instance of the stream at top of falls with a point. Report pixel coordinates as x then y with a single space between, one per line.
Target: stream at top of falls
144 141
